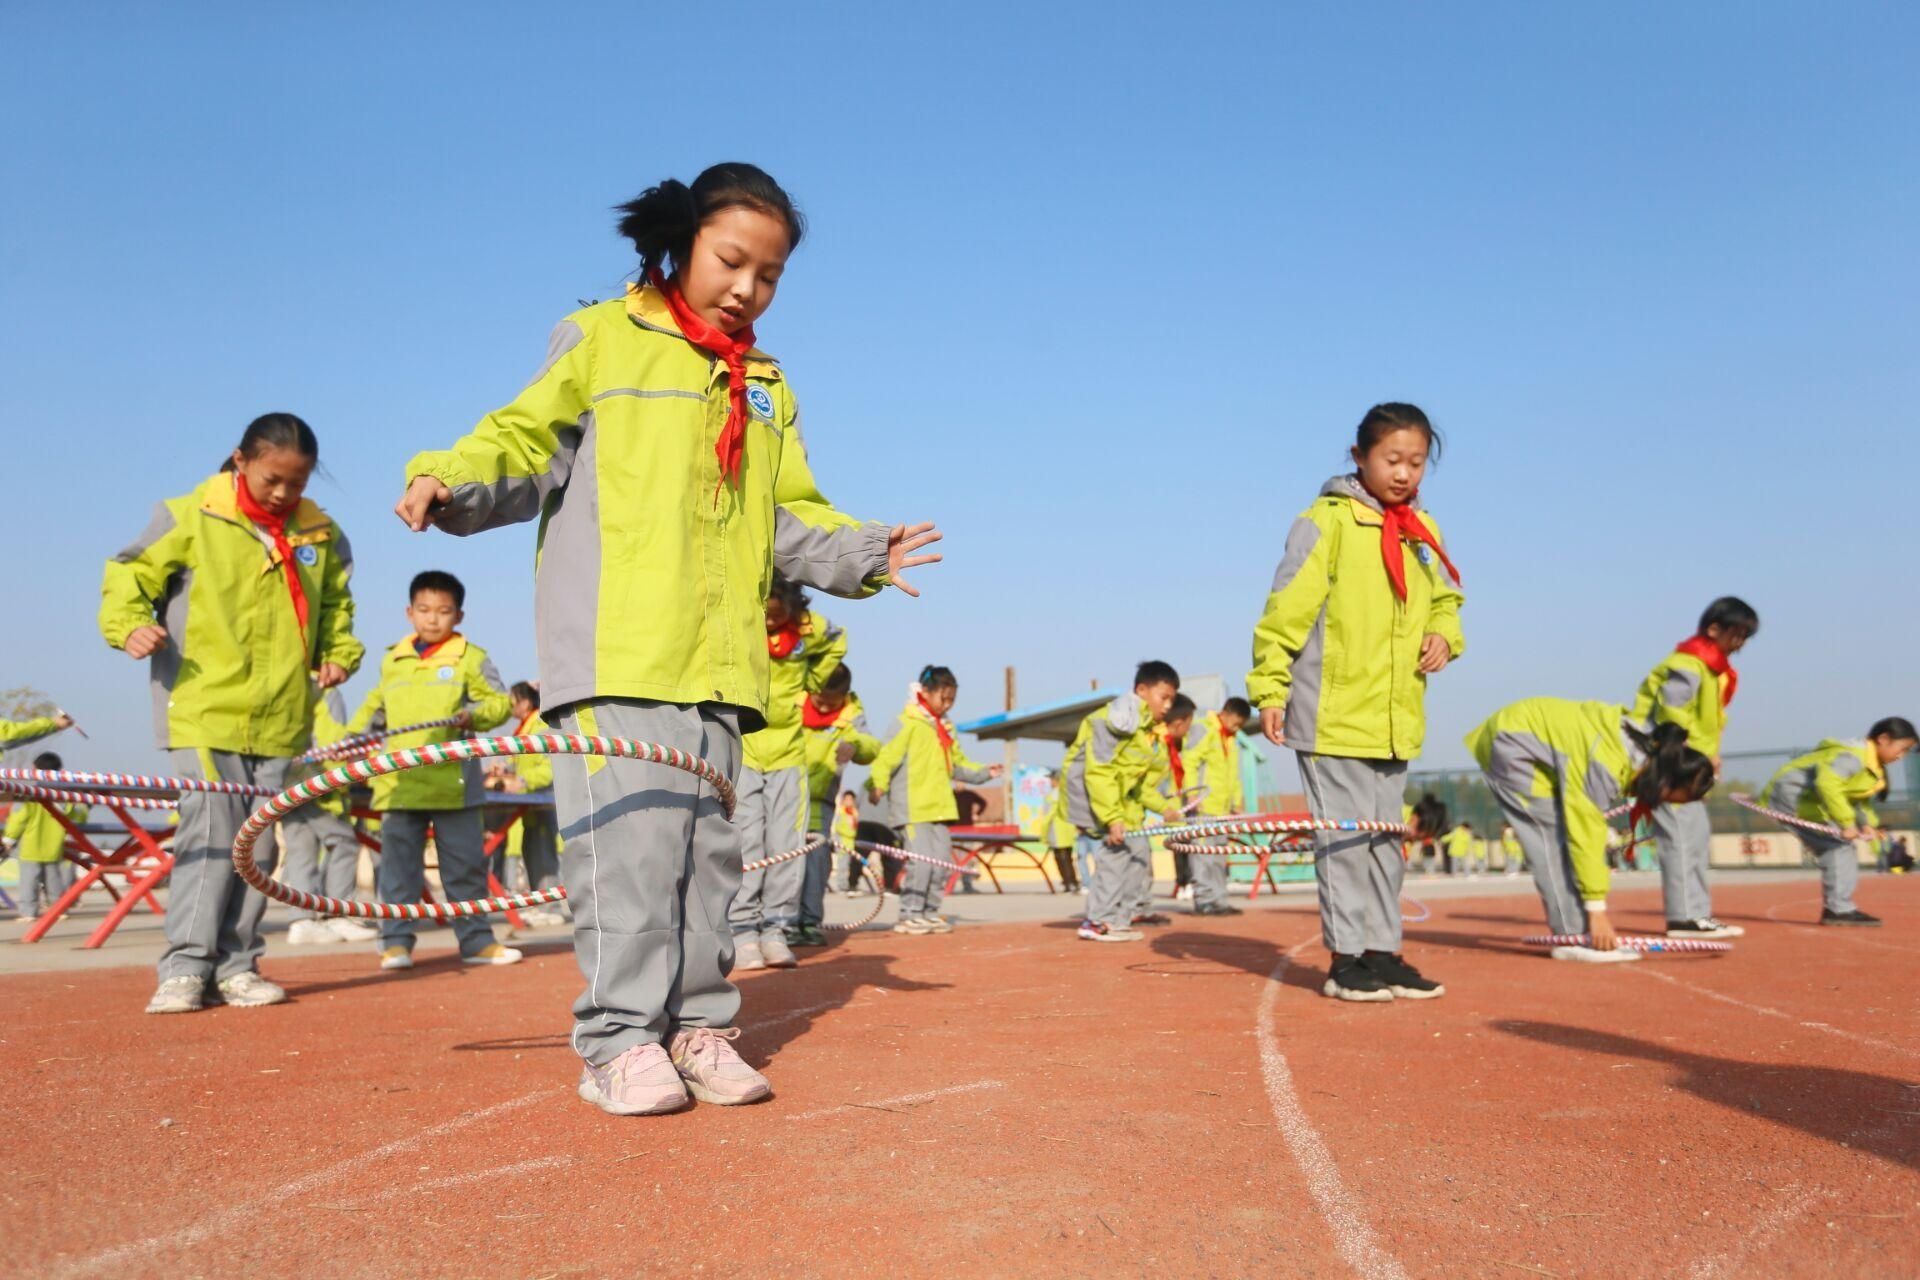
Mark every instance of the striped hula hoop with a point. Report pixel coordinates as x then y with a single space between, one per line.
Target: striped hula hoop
345 775
130 782
1702 945
1262 824
362 744
54 795
1789 820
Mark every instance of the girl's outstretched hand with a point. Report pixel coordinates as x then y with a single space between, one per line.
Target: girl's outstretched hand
1273 724
416 505
901 545
1434 653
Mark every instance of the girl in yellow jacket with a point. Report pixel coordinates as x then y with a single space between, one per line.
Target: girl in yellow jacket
915 772
39 841
660 450
237 593
1365 607
1836 784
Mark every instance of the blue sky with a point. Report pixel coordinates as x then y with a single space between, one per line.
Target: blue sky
1102 293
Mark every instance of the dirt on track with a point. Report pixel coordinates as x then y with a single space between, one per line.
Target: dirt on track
1007 1100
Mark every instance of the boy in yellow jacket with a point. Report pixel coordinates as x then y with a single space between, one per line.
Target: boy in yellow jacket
535 839
1836 784
835 725
40 843
1211 762
434 673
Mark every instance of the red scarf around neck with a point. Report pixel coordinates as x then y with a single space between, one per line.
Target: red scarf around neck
1401 523
1178 765
731 350
782 643
274 527
812 717
1716 661
940 728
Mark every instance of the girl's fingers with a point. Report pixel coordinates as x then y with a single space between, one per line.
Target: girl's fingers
905 586
914 562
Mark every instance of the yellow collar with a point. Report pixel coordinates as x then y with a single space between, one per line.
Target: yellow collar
450 651
308 523
647 307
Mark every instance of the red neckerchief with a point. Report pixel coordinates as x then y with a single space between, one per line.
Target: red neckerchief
1716 661
940 728
431 649
1401 523
524 722
782 643
812 717
731 350
1179 765
274 527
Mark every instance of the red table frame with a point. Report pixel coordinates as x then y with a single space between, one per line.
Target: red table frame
980 845
125 860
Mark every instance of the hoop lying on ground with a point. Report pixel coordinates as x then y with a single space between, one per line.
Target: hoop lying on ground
364 744
345 775
1788 819
54 795
1630 943
130 782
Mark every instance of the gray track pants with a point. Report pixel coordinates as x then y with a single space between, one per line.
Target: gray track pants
1359 873
1113 890
1209 874
459 836
651 865
1543 840
1683 834
41 883
922 886
1839 861
818 875
213 919
771 817
321 854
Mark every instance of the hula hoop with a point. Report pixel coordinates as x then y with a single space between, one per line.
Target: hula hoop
1789 820
131 782
360 744
1702 945
90 798
342 776
1267 824
905 855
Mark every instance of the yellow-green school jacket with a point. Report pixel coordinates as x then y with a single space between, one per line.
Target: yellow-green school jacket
1577 751
39 835
1459 844
781 744
1835 782
1109 767
1211 760
454 677
1683 690
916 776
1336 647
18 733
823 750
652 573
846 827
329 714
235 673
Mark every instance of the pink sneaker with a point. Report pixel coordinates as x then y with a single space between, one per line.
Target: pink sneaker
713 1071
640 1082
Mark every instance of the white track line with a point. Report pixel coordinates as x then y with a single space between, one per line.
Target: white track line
1759 1236
247 1213
905 1100
1352 1237
1831 1030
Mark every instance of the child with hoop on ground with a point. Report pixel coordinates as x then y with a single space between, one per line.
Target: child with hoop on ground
1836 784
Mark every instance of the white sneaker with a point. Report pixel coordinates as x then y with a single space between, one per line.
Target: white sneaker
352 930
746 953
307 933
493 954
1183 894
1588 955
184 994
541 918
249 990
913 924
775 951
396 957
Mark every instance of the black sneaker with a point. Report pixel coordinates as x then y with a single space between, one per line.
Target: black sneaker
806 935
1349 979
1853 919
1216 909
1707 928
1400 977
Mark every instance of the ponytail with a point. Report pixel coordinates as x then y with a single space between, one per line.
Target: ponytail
662 220
1671 765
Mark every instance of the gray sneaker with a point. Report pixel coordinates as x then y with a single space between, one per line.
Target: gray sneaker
746 953
184 994
776 952
640 1082
249 990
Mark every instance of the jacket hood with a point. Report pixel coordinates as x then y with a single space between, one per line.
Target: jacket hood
1349 486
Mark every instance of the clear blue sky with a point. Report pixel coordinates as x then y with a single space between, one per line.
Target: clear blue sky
1102 294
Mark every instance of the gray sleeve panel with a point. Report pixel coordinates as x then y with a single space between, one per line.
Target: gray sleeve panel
164 667
1846 766
491 674
975 776
898 788
336 705
838 561
1302 723
1104 742
343 549
565 337
1301 540
1602 786
860 723
158 526
1680 687
475 508
1511 762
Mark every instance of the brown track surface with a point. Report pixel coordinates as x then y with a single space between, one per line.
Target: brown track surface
1010 1101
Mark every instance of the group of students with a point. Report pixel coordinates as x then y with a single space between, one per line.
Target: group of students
659 450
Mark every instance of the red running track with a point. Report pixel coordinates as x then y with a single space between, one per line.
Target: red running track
1007 1100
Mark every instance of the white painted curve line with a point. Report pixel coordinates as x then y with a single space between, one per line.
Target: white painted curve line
904 1100
792 1015
1352 1237
121 1256
1758 1237
478 1175
1886 1045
